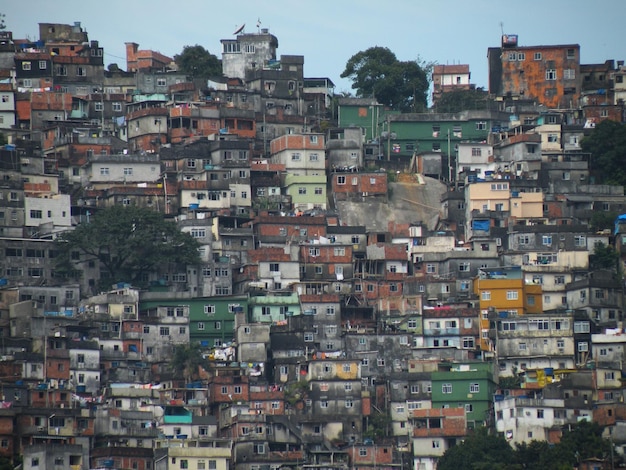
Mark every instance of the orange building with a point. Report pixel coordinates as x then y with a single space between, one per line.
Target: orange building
548 74
502 289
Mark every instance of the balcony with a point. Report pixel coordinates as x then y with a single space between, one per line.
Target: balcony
441 331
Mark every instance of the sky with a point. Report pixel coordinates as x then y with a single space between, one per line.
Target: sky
328 32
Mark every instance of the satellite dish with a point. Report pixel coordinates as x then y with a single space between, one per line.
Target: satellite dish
240 29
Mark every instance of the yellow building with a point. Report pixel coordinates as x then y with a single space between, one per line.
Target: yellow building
494 199
503 289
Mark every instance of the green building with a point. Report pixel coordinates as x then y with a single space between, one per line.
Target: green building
403 134
306 191
211 319
439 132
468 385
273 308
365 113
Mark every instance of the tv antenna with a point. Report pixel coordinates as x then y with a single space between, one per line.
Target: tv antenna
239 30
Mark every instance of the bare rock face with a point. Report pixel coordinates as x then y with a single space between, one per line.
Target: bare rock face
415 198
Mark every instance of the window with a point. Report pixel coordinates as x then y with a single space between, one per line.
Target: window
128 171
546 240
104 171
161 82
164 331
474 388
313 157
209 309
198 232
81 71
446 388
295 157
36 214
476 151
341 179
26 65
481 126
349 403
551 74
580 240
318 191
569 74
511 295
430 268
485 295
301 190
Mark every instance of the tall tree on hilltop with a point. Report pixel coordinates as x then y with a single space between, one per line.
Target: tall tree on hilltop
197 62
377 72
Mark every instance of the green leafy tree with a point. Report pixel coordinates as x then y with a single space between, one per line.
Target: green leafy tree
187 360
537 455
604 257
462 100
583 441
601 220
198 62
607 146
378 426
377 72
128 241
479 450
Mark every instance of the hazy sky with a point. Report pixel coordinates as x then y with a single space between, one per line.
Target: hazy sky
327 33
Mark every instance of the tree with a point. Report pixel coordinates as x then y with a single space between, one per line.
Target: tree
479 450
582 441
198 62
462 100
186 360
607 146
376 72
127 241
604 257
601 220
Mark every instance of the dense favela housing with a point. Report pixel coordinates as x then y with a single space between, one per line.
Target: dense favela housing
371 286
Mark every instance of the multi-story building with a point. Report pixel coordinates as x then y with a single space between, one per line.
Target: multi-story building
447 78
530 342
549 74
502 289
433 432
466 385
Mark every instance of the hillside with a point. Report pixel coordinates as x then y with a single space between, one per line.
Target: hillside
411 200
